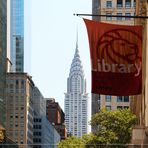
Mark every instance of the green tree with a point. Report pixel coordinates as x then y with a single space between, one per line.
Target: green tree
71 142
102 140
113 130
114 126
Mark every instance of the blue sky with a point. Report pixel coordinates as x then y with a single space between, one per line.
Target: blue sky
50 31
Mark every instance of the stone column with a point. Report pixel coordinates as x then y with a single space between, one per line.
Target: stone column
139 104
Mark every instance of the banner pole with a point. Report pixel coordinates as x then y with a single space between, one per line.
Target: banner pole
101 15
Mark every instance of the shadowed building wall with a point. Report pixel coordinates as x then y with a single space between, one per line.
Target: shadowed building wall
3 15
139 104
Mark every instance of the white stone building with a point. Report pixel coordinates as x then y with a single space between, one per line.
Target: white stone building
76 98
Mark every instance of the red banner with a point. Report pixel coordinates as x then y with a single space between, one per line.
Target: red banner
116 58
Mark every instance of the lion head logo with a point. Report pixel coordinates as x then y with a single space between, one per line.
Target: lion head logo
121 46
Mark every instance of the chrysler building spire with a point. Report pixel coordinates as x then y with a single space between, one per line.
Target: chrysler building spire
76 98
76 66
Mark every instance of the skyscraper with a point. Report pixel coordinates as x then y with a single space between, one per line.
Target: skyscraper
76 98
16 34
3 39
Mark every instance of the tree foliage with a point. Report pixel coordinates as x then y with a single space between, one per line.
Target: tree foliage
118 123
94 141
71 142
113 130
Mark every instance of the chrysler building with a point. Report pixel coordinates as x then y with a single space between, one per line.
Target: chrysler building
76 98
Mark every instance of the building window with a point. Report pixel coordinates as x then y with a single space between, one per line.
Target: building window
108 17
122 98
22 124
119 98
17 82
22 84
37 126
37 134
108 98
22 108
122 107
108 4
108 107
119 107
36 140
76 83
126 98
127 3
119 14
119 3
22 133
37 120
127 14
11 123
134 4
98 101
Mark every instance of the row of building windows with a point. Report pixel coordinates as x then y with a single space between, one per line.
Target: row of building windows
17 82
36 140
20 142
37 126
17 98
21 125
108 107
37 133
17 116
37 120
16 90
16 133
119 4
119 16
17 108
119 98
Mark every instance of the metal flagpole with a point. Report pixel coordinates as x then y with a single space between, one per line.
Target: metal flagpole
100 15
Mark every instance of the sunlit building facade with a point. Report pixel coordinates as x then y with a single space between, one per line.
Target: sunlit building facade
76 98
19 106
108 8
114 7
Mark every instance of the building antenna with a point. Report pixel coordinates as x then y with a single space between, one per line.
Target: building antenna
77 39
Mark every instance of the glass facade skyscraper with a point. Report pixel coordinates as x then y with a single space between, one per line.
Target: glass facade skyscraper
3 39
16 35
